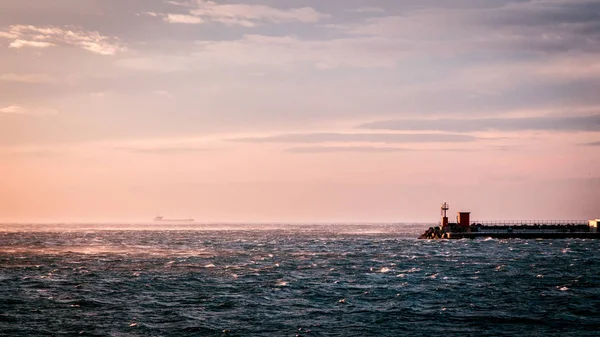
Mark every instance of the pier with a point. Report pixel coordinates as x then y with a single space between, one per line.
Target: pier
464 228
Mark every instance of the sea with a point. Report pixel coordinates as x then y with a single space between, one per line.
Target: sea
290 280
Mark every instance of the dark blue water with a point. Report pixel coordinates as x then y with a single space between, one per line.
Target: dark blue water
289 281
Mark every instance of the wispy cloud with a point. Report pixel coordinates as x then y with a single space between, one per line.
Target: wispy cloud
182 18
382 149
8 35
18 43
12 109
37 153
550 123
357 149
50 36
284 52
19 110
592 144
386 41
524 26
162 150
163 93
367 10
384 138
200 11
98 94
28 78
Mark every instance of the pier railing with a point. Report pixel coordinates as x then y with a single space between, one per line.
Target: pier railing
529 222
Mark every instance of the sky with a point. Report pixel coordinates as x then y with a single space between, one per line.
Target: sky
299 111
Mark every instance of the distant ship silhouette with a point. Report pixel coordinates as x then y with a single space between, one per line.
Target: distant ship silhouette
161 218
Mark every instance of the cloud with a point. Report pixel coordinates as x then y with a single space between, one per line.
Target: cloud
287 50
552 69
356 149
8 35
19 110
36 152
28 78
44 37
547 123
181 18
385 42
517 26
200 11
163 93
161 63
12 109
592 144
389 41
367 10
162 150
35 44
378 149
283 52
587 66
385 138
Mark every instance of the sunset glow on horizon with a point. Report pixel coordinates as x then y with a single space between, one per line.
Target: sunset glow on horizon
299 111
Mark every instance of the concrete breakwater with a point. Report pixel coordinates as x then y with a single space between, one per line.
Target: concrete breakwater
439 233
538 229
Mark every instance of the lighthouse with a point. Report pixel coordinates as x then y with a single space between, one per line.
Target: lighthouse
445 208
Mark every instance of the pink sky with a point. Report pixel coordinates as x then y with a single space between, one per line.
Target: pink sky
259 111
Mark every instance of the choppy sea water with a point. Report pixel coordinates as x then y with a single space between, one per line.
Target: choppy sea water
317 280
